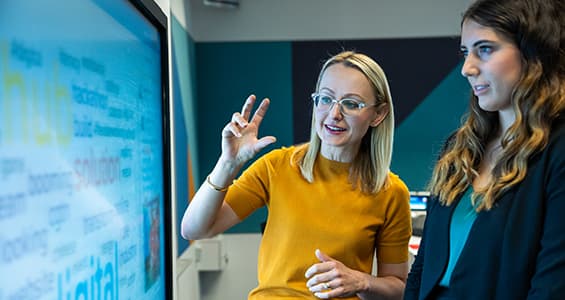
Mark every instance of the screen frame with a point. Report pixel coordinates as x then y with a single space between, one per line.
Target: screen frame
153 13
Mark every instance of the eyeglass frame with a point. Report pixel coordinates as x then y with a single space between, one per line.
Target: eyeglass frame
360 103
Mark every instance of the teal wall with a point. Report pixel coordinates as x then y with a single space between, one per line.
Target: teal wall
226 74
419 138
183 82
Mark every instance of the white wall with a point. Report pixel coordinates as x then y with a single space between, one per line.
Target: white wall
224 267
238 275
164 5
181 9
292 20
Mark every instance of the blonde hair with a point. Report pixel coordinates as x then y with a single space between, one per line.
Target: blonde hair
371 166
537 99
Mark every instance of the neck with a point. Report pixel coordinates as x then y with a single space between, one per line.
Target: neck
340 154
506 119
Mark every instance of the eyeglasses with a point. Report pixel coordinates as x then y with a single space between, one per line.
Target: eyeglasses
347 106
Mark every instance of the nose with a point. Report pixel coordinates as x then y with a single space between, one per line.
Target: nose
335 110
470 67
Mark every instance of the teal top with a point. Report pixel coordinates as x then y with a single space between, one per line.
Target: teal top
461 222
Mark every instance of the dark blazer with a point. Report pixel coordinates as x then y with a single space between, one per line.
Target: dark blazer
514 251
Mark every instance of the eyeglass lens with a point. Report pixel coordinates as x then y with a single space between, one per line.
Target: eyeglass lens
347 106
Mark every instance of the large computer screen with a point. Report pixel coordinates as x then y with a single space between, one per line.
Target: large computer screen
84 157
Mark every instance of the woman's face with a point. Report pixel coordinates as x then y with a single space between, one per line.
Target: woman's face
340 133
492 66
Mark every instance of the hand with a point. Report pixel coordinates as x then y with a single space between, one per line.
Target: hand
331 279
239 136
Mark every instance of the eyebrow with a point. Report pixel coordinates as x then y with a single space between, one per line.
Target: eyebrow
478 43
354 96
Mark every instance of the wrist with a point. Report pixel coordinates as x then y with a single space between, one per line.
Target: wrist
228 166
217 187
223 175
365 284
364 288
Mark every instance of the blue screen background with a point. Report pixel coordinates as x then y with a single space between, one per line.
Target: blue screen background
81 152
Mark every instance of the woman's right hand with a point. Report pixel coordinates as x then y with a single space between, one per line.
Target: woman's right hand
239 136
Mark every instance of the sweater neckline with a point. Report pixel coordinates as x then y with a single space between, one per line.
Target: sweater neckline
332 165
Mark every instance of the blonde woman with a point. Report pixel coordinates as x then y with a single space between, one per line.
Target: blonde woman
331 202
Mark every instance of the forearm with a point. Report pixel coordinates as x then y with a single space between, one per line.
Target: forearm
386 287
202 212
200 215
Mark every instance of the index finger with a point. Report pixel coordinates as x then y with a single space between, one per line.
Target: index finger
248 106
316 269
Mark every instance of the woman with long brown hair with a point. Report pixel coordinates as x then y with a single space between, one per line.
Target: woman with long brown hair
495 226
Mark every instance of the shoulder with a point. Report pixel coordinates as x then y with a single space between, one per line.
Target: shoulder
397 185
280 152
555 147
280 156
394 201
396 193
557 136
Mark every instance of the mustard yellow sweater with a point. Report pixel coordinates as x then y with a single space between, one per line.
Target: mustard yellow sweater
326 214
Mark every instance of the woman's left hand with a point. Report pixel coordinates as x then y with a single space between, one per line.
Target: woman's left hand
332 279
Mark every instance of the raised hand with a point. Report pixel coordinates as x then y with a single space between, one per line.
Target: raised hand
332 279
239 136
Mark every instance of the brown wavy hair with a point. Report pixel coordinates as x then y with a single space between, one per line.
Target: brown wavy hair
536 27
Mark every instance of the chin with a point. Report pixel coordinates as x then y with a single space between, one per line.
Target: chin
334 142
487 106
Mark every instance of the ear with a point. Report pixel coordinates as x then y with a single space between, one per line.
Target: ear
382 112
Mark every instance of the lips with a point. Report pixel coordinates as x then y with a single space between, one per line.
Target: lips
479 89
334 128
